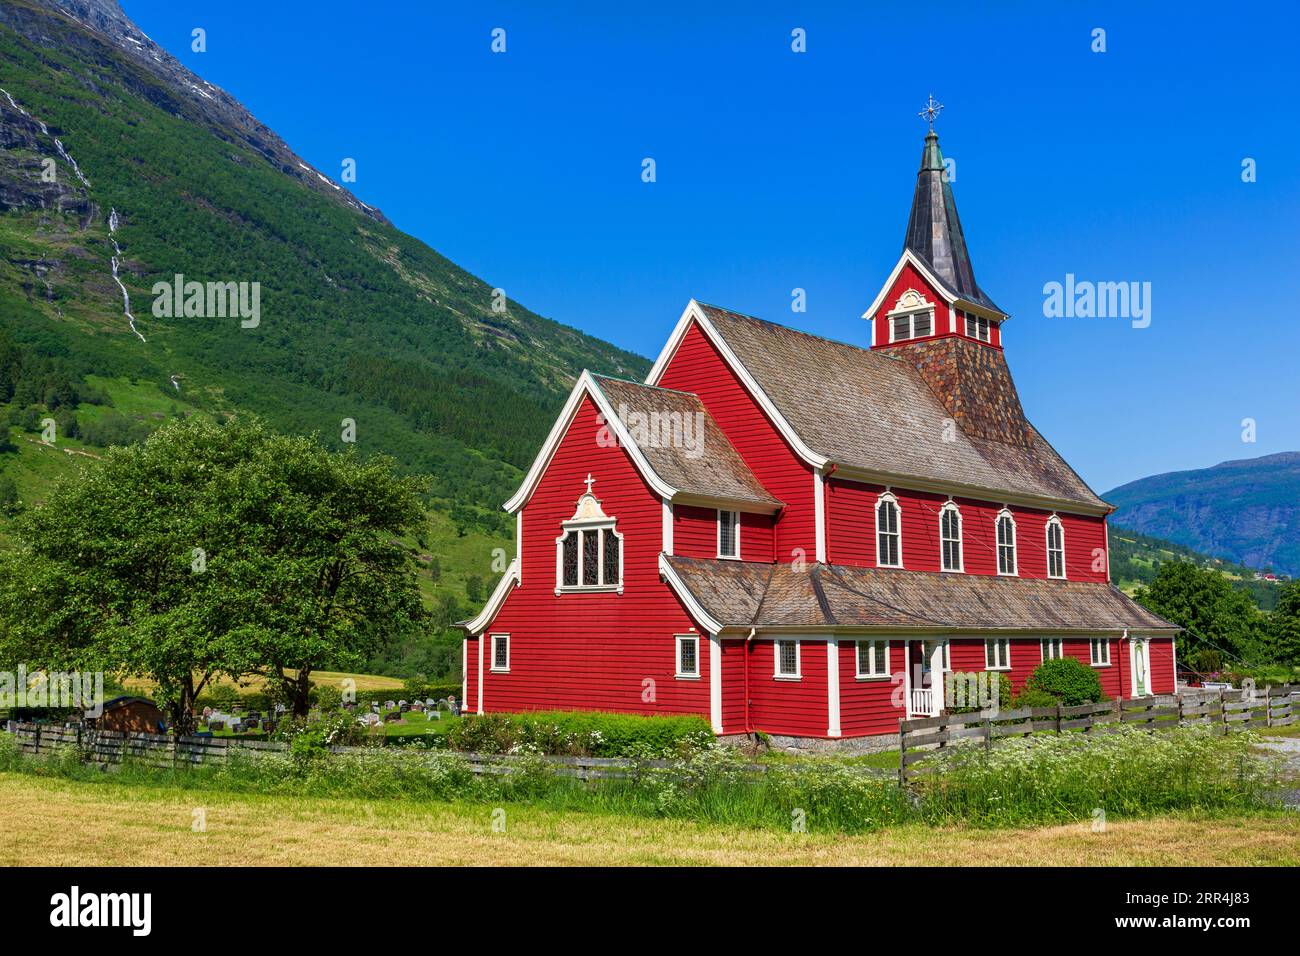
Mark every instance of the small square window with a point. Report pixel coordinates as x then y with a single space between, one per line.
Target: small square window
688 655
873 659
997 654
787 658
1099 651
1052 648
501 652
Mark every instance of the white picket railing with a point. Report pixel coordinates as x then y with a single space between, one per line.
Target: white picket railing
923 701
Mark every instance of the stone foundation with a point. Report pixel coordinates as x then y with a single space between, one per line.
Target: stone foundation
811 746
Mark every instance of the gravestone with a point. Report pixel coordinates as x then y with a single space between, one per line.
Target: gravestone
217 725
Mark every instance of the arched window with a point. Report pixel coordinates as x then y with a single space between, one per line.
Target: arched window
1055 548
589 552
889 539
1006 543
950 537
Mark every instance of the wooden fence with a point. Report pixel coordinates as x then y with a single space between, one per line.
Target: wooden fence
1222 710
163 750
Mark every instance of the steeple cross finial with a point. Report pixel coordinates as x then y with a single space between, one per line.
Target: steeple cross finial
932 109
590 481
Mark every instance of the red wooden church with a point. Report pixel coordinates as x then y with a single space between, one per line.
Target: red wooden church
789 534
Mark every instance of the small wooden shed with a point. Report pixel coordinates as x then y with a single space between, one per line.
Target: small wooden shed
133 714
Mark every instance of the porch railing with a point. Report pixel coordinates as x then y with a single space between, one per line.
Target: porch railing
923 701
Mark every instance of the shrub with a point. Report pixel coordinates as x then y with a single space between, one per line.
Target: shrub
1032 697
1069 680
582 733
973 686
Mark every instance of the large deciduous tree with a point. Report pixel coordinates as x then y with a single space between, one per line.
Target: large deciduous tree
213 550
1214 613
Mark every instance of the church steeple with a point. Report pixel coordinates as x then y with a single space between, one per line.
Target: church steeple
934 231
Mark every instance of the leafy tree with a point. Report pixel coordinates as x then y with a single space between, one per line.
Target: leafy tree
1214 613
212 550
1286 624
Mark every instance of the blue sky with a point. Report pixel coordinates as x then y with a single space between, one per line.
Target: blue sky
778 170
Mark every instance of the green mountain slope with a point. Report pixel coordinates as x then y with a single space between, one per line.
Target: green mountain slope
1135 560
1247 511
357 320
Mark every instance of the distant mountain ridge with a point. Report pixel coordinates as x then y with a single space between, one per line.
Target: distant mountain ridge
1247 510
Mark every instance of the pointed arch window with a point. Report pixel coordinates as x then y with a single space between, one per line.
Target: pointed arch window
889 536
950 537
1006 543
589 551
1055 548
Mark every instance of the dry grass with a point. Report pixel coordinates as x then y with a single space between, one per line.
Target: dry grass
60 822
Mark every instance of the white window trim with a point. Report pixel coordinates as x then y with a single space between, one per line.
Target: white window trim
952 507
573 527
678 673
881 673
493 651
995 641
881 499
1043 643
776 658
997 544
910 304
1093 643
728 557
1055 521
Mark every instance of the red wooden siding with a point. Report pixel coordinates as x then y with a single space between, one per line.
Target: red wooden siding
1162 665
594 651
697 367
870 706
908 278
695 533
471 675
796 707
733 687
851 533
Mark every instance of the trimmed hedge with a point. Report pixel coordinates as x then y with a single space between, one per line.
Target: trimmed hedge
581 733
1067 679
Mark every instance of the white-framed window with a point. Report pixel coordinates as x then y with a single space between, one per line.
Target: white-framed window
950 537
688 655
977 327
1053 648
1006 543
997 654
1055 548
1099 651
501 653
945 659
873 659
787 659
914 325
729 534
889 537
589 551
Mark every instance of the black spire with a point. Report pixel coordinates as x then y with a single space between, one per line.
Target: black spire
934 231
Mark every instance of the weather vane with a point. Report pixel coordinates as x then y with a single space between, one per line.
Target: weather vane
932 109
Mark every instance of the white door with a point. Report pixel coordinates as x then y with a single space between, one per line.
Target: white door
1140 665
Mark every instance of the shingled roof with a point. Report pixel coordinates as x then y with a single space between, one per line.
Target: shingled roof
745 594
874 412
663 423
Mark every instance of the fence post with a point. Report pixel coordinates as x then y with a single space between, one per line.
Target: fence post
1058 716
988 736
902 753
1268 706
